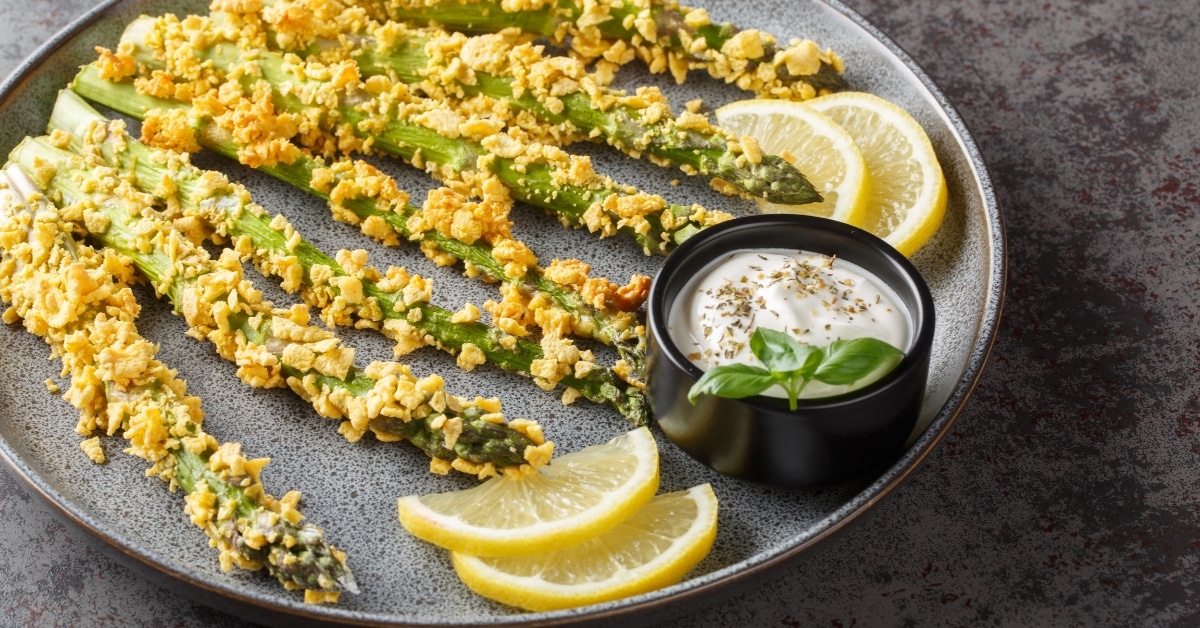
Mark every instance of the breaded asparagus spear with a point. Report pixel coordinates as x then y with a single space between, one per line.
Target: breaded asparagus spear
274 347
334 114
66 292
554 89
359 193
664 34
394 303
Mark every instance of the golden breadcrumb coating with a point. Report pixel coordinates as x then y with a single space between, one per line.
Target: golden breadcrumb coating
79 301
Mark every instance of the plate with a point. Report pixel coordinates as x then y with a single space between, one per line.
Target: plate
350 489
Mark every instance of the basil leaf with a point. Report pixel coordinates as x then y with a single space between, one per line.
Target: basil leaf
847 361
732 381
782 354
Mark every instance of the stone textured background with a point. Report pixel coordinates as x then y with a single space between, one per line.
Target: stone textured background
1067 492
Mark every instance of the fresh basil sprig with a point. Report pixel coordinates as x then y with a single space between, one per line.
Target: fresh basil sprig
792 366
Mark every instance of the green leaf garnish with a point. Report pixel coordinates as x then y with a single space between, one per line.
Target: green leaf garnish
847 361
792 365
781 353
733 381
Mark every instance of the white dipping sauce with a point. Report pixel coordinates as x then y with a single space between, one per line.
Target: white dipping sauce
814 298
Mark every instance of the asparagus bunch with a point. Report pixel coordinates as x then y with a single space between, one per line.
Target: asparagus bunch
331 114
662 33
379 208
556 90
67 293
274 347
395 303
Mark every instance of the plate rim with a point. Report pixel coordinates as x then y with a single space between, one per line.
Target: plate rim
706 589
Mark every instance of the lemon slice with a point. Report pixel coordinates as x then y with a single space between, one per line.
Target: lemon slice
825 153
652 549
908 190
575 498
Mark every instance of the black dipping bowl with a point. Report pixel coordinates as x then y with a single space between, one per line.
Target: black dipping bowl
758 438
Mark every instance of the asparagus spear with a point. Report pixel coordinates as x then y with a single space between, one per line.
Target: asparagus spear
554 90
368 295
536 174
616 328
119 386
275 348
664 34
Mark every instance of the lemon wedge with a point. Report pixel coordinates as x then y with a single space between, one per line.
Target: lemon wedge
654 548
823 151
576 497
908 190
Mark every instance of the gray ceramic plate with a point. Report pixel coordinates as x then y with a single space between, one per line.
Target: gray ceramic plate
350 490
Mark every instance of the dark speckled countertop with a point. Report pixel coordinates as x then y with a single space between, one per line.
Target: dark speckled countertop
1067 492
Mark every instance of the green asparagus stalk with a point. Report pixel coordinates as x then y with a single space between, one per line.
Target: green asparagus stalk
645 127
665 35
146 402
294 554
277 247
275 348
544 178
613 328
